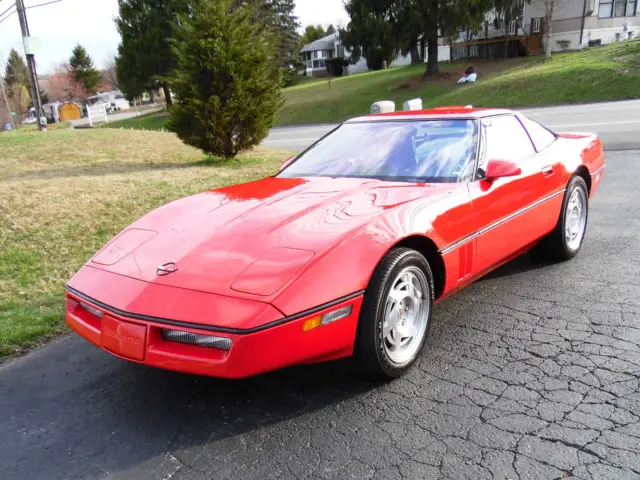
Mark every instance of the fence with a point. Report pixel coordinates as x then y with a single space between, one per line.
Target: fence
97 113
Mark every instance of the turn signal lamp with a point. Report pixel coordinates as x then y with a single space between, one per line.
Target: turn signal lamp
311 324
327 318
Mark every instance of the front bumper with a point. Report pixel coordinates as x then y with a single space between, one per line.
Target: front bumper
251 353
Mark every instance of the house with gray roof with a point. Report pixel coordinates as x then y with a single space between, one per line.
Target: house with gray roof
315 54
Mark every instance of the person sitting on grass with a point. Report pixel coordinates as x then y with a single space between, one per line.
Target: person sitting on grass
470 76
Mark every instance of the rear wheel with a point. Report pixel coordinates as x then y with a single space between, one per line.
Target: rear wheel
566 240
396 314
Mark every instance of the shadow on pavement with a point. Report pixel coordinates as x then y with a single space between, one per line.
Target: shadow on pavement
87 414
521 265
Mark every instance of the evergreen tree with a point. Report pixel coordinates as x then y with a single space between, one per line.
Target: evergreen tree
226 83
312 33
82 71
431 19
370 33
284 24
17 83
145 57
331 30
380 29
16 71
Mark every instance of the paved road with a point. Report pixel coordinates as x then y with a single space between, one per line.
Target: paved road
617 123
530 373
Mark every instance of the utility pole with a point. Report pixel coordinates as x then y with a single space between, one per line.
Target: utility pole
31 63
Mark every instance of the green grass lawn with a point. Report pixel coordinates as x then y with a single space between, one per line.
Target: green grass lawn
52 126
65 193
604 73
610 72
148 121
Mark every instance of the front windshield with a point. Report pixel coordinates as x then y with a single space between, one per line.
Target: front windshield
420 150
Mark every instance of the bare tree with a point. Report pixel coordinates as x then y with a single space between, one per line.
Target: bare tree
549 12
109 73
62 87
5 108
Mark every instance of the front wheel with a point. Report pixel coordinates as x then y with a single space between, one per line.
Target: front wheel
396 314
566 240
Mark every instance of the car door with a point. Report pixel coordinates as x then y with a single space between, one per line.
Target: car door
510 213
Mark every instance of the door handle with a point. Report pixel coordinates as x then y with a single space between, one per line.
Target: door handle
548 170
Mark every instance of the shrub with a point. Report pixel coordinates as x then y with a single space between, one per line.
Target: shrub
226 84
335 66
375 59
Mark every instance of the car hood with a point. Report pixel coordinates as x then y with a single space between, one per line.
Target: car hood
251 239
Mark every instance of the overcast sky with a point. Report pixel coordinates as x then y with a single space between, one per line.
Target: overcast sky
60 26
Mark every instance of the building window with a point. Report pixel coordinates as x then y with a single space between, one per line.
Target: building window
537 25
606 9
513 27
459 53
617 8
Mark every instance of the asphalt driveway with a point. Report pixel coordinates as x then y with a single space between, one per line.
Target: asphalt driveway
531 373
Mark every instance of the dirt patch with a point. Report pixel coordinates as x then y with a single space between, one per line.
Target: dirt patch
413 83
440 76
452 72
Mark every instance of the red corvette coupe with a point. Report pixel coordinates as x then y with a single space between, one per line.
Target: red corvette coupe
344 252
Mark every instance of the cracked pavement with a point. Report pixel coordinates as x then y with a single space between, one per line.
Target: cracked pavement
531 373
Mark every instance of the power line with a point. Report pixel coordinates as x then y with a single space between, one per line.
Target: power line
12 5
8 16
26 8
42 4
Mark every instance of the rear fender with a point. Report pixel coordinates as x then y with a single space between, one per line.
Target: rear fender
584 150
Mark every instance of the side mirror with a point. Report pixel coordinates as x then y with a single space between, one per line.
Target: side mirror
501 169
286 163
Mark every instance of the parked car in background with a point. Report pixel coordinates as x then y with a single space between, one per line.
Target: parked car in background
113 101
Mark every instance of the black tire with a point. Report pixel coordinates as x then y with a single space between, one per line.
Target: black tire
554 247
370 353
